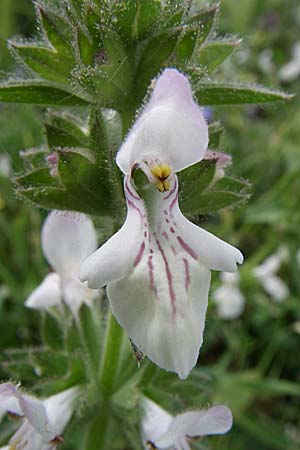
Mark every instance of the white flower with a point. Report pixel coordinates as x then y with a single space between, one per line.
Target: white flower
42 422
266 275
67 238
291 71
5 165
157 266
228 297
163 431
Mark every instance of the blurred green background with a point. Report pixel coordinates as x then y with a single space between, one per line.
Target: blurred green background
251 363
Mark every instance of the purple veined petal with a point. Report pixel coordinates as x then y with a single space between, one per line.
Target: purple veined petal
213 252
171 127
168 329
215 420
47 294
31 407
155 421
59 409
161 301
67 239
115 259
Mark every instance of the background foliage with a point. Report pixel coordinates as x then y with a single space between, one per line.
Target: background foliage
249 363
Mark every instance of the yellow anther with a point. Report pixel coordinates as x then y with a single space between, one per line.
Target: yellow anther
165 171
156 170
166 185
161 171
160 186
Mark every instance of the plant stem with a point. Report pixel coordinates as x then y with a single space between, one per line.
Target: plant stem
97 433
110 356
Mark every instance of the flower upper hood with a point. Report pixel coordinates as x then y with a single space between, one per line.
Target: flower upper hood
171 127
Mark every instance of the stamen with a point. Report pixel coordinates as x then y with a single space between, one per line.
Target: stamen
161 173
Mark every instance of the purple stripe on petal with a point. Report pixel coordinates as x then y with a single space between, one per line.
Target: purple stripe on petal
187 274
187 248
169 278
139 255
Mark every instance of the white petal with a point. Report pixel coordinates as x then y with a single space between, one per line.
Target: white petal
230 301
163 317
214 253
171 127
155 421
275 287
8 403
67 238
60 408
216 420
75 293
31 407
116 257
47 294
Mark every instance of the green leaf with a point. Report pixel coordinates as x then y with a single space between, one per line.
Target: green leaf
43 61
136 18
51 363
215 132
39 93
204 20
58 32
214 93
211 201
87 49
194 180
186 44
91 329
153 58
113 79
213 53
70 129
53 335
228 183
59 138
40 177
90 188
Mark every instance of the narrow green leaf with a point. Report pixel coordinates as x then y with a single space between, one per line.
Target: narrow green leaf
87 48
70 125
228 183
214 93
40 177
194 180
52 332
91 327
35 92
57 137
136 18
211 201
51 363
215 132
55 198
90 188
155 55
58 31
113 80
213 53
204 20
43 61
186 44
